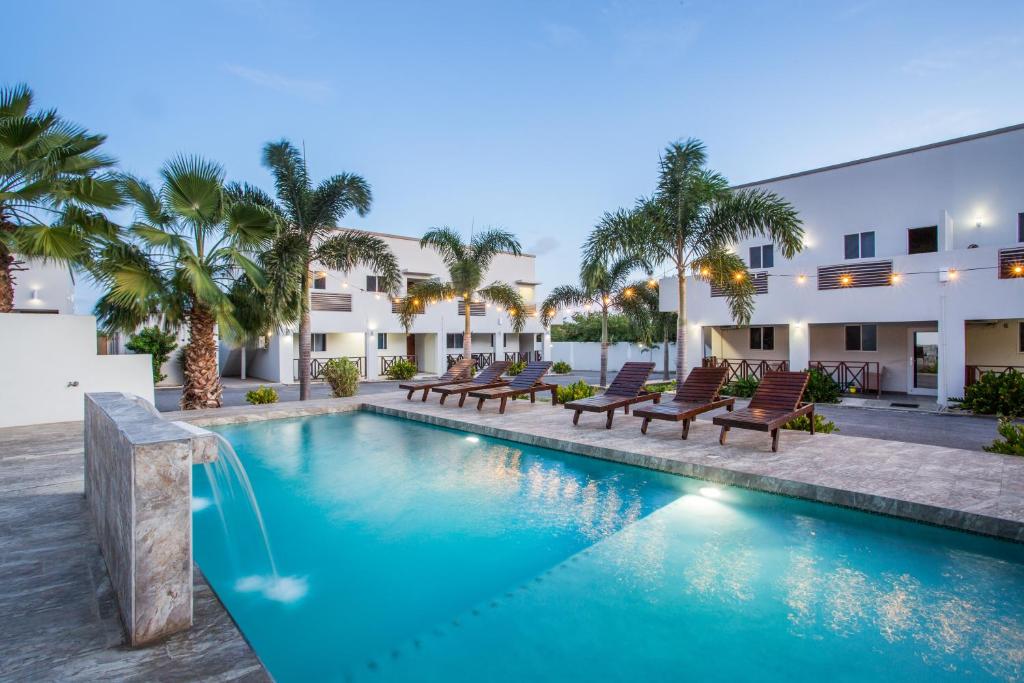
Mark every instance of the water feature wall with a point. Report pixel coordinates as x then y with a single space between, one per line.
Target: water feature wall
138 484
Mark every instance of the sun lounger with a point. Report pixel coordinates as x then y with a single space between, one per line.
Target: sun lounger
697 394
488 377
526 382
462 370
626 389
776 402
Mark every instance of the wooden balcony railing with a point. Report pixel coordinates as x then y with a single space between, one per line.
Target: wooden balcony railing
387 361
972 373
480 360
855 274
742 368
475 308
316 367
864 376
524 356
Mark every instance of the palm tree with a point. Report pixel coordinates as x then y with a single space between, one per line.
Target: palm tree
53 183
188 243
312 234
602 285
690 223
639 301
467 264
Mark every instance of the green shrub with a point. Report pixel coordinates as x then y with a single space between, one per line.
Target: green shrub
996 394
343 376
261 395
561 368
662 387
154 341
741 388
821 388
820 424
402 369
515 368
1012 442
575 392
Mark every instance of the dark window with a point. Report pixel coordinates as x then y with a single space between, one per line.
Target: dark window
762 257
762 338
382 341
852 246
867 244
506 338
318 342
1020 341
1020 230
923 240
373 283
539 337
320 281
861 337
454 340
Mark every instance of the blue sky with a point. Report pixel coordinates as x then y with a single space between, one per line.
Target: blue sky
536 116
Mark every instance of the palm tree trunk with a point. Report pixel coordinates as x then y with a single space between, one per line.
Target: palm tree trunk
6 283
681 327
664 341
604 347
305 339
467 336
202 378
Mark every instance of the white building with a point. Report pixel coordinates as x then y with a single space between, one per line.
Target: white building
911 272
43 288
350 318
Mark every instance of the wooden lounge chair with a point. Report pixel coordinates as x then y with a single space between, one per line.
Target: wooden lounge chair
459 372
698 394
776 402
485 379
526 382
626 389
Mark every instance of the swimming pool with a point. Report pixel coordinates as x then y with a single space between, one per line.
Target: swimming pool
403 551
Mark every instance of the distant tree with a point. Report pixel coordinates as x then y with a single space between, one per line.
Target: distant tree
158 344
586 327
54 183
651 324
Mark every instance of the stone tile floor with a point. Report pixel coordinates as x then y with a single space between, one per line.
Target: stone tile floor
60 618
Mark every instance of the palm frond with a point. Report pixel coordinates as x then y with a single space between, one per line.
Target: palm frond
15 101
563 296
193 189
447 243
755 212
508 297
725 269
421 295
487 244
335 197
347 249
291 180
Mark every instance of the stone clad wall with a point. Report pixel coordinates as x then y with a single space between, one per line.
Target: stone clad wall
138 483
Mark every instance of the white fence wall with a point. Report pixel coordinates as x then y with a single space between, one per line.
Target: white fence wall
587 355
43 356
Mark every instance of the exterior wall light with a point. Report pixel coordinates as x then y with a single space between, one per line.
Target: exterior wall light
35 296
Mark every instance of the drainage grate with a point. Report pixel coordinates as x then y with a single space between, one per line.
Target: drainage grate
904 405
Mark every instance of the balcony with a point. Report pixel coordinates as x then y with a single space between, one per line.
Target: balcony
316 367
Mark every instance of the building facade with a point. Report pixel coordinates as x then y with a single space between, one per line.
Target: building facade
911 279
351 318
43 288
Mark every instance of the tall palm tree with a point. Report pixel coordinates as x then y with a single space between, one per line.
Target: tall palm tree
188 243
53 185
467 263
602 285
312 234
690 223
639 301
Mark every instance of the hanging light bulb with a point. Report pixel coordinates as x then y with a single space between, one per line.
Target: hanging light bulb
895 278
800 279
845 280
652 283
738 277
628 293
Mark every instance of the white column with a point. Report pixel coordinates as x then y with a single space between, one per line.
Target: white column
372 360
694 347
952 359
282 345
499 345
799 346
242 373
547 349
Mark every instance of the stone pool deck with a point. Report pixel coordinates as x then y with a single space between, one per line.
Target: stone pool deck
962 489
60 618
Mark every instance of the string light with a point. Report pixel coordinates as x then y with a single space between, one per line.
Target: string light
652 283
801 278
1017 269
628 293
606 300
738 277
845 280
894 278
705 272
953 273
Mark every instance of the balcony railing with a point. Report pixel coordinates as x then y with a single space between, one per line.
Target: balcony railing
1011 263
330 301
864 376
759 280
387 361
480 360
974 372
742 368
524 356
316 367
854 275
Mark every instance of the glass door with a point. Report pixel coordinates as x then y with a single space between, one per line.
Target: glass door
925 361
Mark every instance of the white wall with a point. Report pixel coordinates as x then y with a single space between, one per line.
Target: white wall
994 342
55 290
41 354
587 355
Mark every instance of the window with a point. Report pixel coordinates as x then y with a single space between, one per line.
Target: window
382 341
539 337
762 257
859 245
505 339
762 338
1020 335
373 283
318 342
319 280
454 341
923 240
1020 227
412 282
861 337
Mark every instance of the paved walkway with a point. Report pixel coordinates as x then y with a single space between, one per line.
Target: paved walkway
60 618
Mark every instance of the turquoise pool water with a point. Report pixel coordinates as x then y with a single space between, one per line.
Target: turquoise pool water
406 552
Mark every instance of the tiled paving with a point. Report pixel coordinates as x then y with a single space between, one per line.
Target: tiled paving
60 619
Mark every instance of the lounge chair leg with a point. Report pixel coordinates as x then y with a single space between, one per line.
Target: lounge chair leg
533 397
425 392
626 409
608 422
443 397
576 417
657 399
721 437
504 402
554 396
643 427
480 404
730 407
408 397
462 398
775 440
686 429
